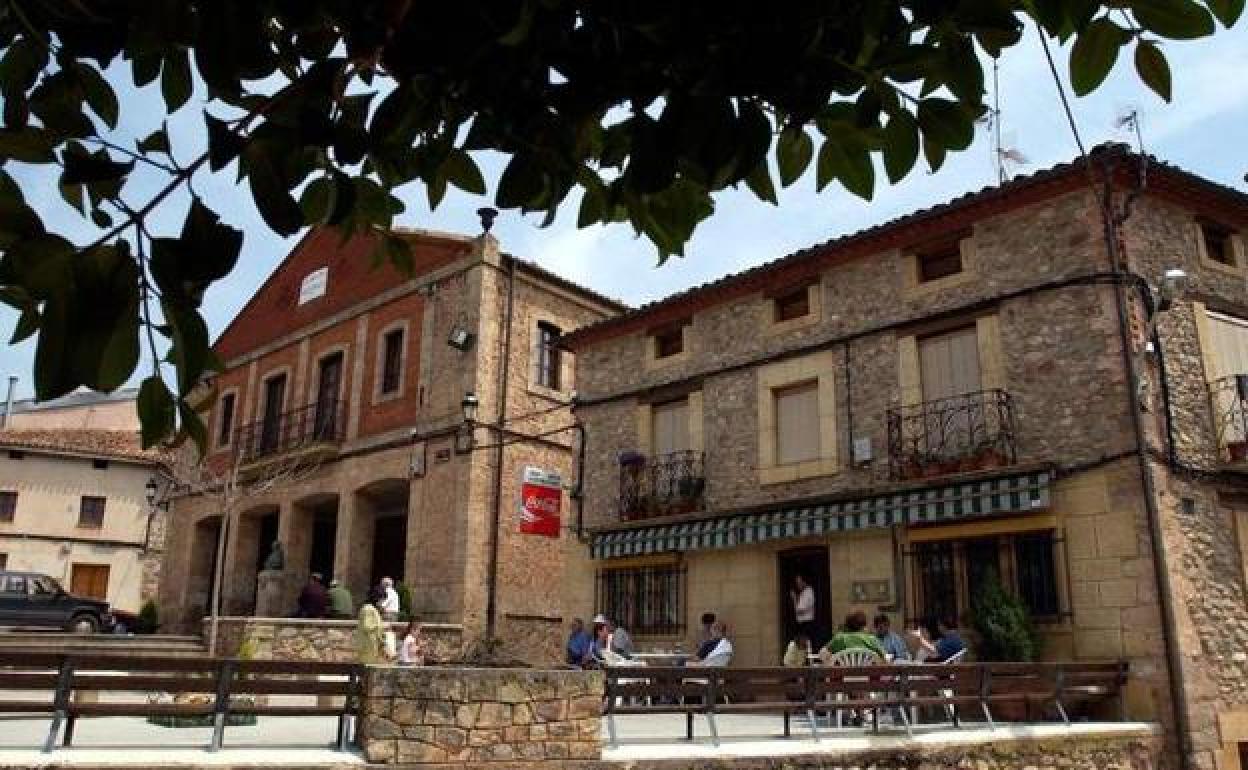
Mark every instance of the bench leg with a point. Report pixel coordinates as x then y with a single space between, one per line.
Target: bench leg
814 727
905 720
69 730
218 732
988 716
342 732
689 725
613 738
710 720
1061 710
786 725
53 731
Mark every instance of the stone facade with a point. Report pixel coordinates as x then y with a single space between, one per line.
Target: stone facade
324 641
408 490
423 716
1035 291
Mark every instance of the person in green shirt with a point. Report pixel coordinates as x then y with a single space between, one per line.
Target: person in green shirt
340 601
852 637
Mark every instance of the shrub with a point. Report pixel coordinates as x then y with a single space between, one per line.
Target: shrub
149 618
405 601
1001 621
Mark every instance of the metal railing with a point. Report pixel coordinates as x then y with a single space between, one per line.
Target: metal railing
1229 399
319 423
661 486
970 432
648 601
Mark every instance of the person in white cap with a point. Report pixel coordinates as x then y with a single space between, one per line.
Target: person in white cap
389 604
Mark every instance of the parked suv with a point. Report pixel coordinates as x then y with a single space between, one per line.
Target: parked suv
29 599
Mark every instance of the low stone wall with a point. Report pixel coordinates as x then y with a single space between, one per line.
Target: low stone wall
476 715
320 640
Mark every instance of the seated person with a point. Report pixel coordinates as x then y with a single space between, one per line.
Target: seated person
595 654
720 653
947 644
579 642
854 636
796 655
893 645
706 632
621 641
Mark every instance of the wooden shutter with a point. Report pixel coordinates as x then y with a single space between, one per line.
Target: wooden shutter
671 427
797 423
949 364
90 580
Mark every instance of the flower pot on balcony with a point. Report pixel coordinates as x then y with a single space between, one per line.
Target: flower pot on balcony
632 459
1238 451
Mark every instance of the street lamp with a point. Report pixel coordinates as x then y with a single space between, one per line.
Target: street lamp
150 489
1172 288
470 405
465 439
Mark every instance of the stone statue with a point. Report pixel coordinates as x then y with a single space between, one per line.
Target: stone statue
276 560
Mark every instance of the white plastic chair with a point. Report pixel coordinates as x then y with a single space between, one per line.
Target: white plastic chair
855 656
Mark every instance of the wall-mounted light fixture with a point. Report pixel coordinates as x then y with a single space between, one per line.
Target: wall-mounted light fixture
460 338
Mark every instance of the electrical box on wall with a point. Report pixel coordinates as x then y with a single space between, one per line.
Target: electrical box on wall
862 451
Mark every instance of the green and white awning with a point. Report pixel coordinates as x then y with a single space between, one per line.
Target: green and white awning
1019 493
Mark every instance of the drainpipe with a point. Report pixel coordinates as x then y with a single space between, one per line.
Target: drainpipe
491 594
578 492
1165 591
8 402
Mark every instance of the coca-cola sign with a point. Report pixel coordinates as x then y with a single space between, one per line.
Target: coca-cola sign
541 497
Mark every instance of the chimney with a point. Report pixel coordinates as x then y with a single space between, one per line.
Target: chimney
485 245
8 402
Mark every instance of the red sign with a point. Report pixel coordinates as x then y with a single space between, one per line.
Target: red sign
541 495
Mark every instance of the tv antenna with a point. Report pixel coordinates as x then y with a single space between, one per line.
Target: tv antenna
1004 154
1129 120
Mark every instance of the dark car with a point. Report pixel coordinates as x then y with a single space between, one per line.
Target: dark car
30 600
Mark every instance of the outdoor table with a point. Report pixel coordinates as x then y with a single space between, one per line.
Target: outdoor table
663 658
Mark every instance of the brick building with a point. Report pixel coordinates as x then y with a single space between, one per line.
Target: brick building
361 373
896 413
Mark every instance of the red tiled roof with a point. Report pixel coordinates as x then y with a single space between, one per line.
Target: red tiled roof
105 444
914 227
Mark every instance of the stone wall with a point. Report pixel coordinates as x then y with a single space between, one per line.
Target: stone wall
461 716
328 641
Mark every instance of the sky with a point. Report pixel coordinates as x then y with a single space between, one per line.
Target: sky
1203 130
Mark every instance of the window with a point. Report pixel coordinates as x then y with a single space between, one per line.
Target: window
948 574
669 342
100 465
271 424
13 584
8 504
1218 244
328 388
91 512
949 364
797 423
548 358
671 427
391 361
4 561
940 262
794 304
226 425
647 601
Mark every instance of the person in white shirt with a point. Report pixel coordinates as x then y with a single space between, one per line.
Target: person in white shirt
803 597
389 604
721 654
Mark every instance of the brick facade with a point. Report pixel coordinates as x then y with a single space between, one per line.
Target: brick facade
1036 295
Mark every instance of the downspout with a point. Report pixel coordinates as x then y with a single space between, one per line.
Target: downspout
491 596
1165 595
8 402
578 492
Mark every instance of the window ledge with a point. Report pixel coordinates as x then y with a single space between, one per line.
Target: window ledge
382 398
653 362
948 282
1222 267
810 469
793 324
550 394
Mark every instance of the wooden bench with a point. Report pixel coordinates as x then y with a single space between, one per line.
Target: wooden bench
870 689
60 681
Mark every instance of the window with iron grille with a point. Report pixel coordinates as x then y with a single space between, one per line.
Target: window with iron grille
91 512
948 574
8 504
548 355
647 601
938 587
1036 573
392 361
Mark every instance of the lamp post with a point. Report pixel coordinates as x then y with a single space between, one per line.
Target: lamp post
1173 287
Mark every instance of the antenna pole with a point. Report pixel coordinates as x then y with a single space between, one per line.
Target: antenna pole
996 122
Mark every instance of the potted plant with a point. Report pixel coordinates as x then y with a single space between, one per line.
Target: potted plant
1005 634
1238 450
632 459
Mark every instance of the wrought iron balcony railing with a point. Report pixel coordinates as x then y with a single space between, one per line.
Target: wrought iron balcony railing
1229 398
316 424
970 432
661 486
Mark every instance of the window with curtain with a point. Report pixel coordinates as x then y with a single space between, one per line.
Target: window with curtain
670 423
547 355
797 423
1228 338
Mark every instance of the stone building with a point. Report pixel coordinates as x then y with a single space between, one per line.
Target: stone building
899 413
357 377
74 500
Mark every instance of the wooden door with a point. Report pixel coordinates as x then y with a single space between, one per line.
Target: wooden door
89 580
274 400
328 386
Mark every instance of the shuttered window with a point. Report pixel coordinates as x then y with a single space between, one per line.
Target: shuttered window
671 427
797 423
949 364
1229 338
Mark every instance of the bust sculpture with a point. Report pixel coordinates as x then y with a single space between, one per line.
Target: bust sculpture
276 560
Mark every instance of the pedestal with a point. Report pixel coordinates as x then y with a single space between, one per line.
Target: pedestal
271 594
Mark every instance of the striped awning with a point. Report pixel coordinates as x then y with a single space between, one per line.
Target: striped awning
1019 493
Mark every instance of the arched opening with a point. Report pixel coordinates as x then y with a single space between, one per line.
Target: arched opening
202 567
379 534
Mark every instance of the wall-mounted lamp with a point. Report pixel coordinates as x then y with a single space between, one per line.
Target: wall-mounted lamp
470 405
150 491
465 438
1173 286
460 338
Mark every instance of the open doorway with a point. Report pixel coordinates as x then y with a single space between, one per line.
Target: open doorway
812 564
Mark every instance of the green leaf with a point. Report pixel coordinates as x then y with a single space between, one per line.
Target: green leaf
317 201
276 205
175 79
593 205
223 144
521 185
947 123
1094 54
1175 19
1227 11
849 161
901 145
759 182
1151 64
794 149
27 324
157 411
461 170
934 152
29 145
81 168
99 94
157 141
192 425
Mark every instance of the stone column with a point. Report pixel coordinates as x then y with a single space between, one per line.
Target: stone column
294 532
353 543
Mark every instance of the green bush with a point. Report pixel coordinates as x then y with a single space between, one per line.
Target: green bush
1001 621
405 601
149 618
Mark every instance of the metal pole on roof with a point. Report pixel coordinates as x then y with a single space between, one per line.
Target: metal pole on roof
8 402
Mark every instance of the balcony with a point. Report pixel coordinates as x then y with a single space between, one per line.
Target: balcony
1229 396
962 434
664 485
309 431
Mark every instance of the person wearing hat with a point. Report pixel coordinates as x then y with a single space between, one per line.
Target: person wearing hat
340 604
